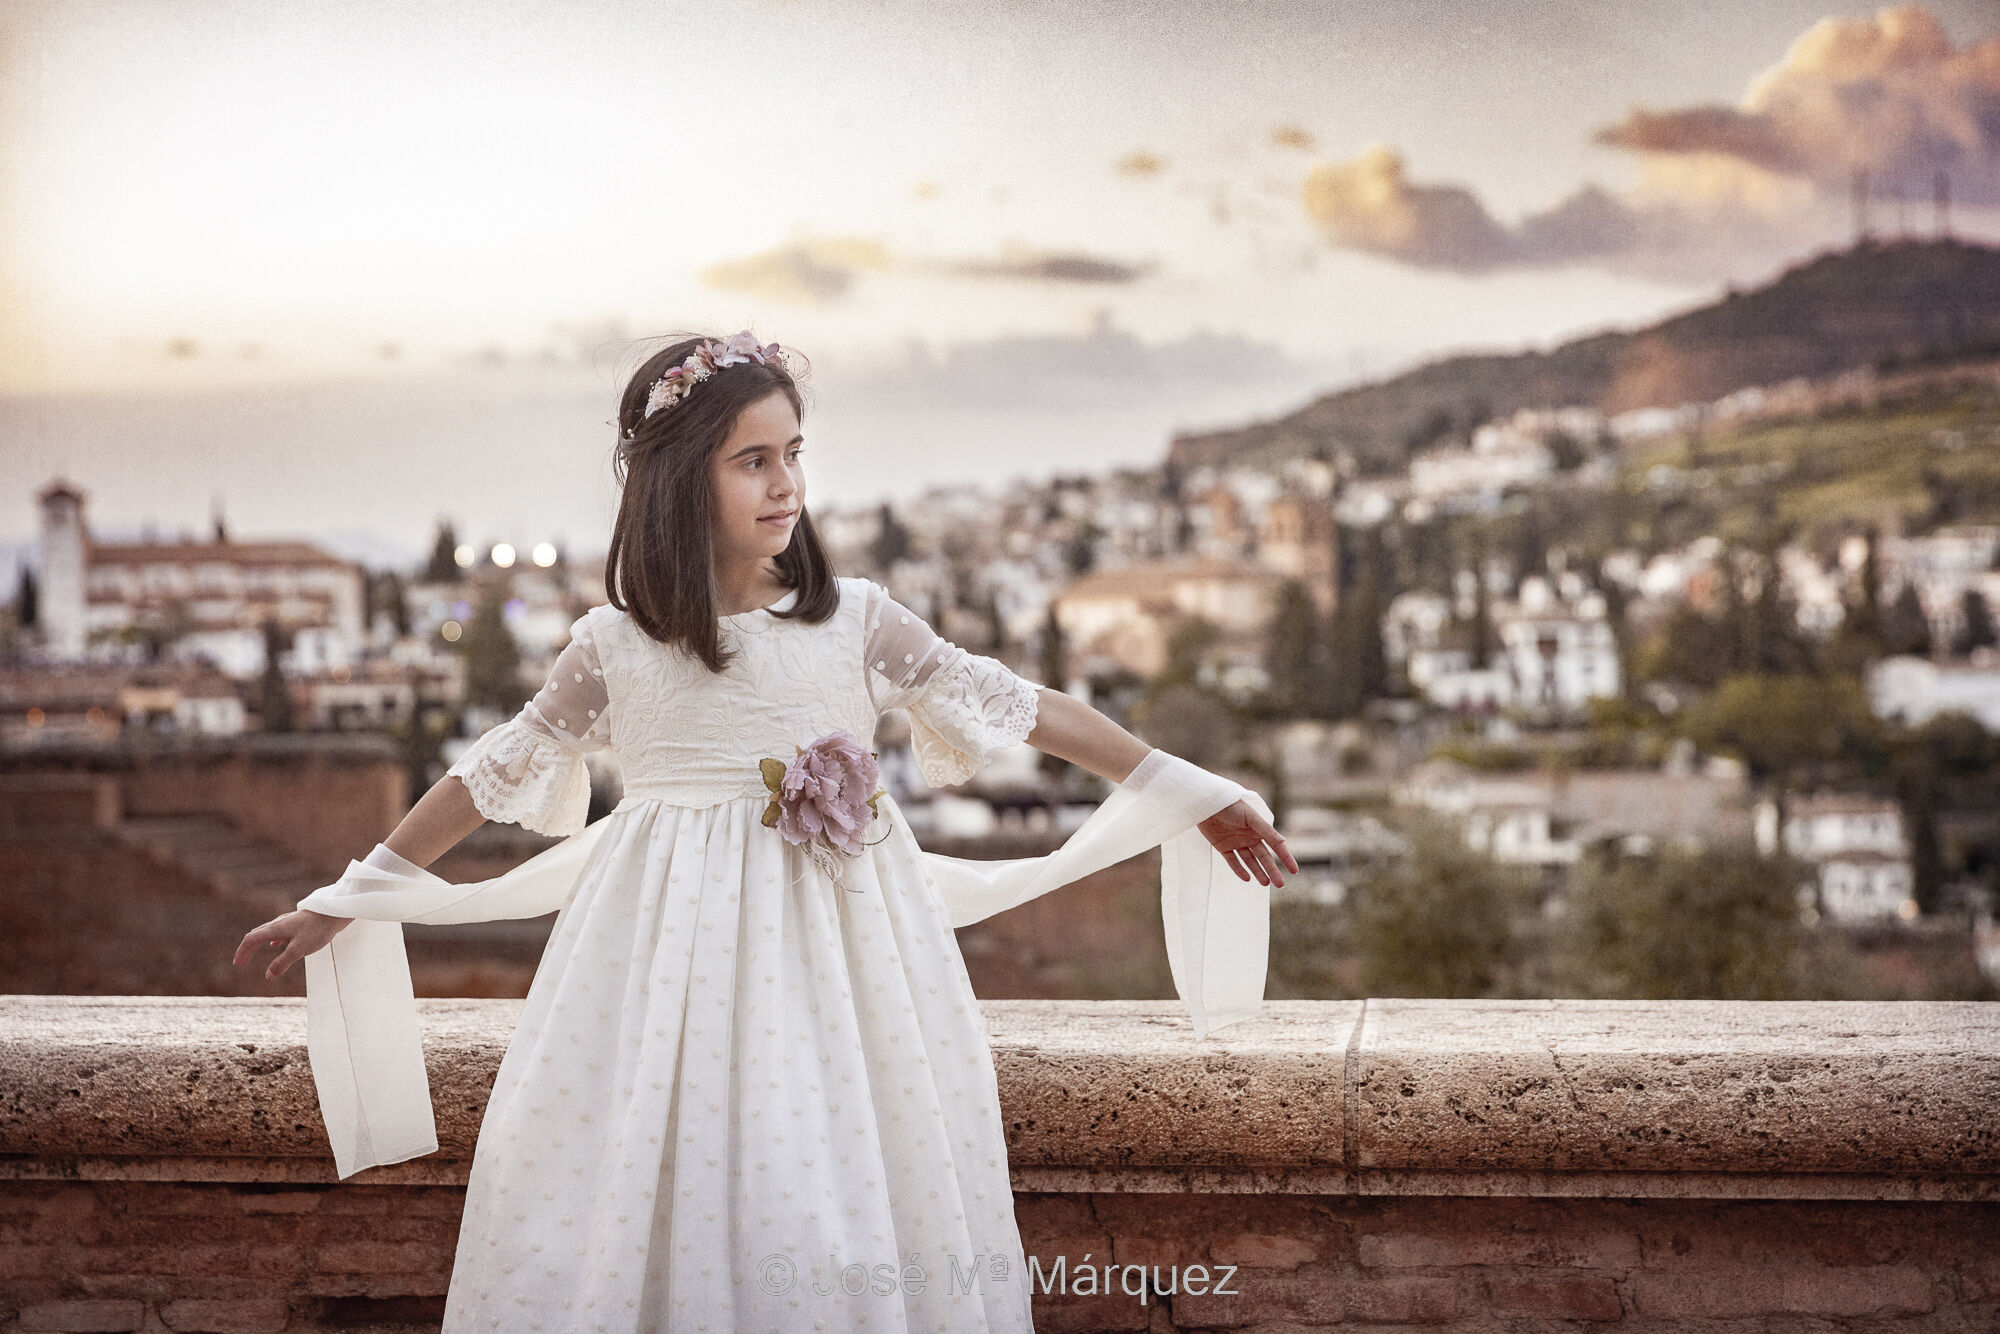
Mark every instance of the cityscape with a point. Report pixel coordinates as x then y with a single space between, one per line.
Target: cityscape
1565 634
1543 458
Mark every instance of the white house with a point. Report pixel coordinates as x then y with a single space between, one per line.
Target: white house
1865 886
1858 845
1915 690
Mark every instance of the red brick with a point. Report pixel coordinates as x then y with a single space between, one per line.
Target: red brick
114 1230
1979 1281
379 1257
1310 1296
1558 1298
265 1316
236 1261
1588 1250
26 1261
1161 1251
84 1317
442 1232
1402 1300
279 1202
1875 1291
1261 1250
1057 1314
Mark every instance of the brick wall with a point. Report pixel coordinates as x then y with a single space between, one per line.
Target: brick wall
234 1258
1497 1167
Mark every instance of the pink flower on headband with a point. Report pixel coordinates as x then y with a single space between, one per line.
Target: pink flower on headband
709 356
740 348
824 799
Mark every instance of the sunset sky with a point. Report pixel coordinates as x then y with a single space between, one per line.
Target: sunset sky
345 268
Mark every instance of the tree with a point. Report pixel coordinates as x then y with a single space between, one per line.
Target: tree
1977 630
274 704
492 658
1292 644
1359 667
1055 671
1187 649
384 593
1905 628
27 599
996 625
1080 551
1439 922
1788 730
1721 924
891 542
443 565
1568 452
1482 611
1951 750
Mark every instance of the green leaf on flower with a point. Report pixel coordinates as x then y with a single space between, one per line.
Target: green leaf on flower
771 814
774 773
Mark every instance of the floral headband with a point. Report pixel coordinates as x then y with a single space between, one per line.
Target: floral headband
708 358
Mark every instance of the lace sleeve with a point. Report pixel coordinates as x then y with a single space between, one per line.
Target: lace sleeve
529 770
964 708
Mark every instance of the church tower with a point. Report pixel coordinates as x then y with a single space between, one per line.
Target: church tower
65 544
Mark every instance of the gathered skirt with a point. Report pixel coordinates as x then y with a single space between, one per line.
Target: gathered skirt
742 1094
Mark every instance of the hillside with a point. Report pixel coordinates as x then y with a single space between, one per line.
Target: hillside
1876 304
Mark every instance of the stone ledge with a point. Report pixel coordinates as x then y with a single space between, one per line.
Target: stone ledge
1691 1099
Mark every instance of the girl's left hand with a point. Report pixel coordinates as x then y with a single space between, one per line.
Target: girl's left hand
1246 839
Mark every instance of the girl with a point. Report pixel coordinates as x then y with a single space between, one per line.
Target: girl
750 1078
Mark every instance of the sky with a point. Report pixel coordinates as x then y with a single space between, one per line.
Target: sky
338 271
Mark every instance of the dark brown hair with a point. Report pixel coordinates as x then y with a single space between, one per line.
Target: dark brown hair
661 566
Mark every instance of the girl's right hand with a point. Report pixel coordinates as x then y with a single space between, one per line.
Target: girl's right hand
300 933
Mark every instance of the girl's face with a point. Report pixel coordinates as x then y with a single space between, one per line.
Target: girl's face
757 482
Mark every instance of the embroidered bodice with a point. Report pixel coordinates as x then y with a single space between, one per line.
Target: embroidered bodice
692 737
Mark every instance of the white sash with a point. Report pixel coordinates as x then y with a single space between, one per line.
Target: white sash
366 1048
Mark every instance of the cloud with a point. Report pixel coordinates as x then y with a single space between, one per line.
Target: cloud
1889 95
1724 191
1369 204
1018 261
1102 366
821 272
1140 165
803 273
1292 136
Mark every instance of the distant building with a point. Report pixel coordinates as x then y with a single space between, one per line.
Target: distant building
1552 656
1125 616
1857 844
206 601
1561 656
1915 690
1500 459
1549 818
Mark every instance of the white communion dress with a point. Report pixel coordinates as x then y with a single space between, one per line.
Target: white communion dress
744 1091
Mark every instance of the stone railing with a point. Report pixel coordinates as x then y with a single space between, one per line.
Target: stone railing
1465 1165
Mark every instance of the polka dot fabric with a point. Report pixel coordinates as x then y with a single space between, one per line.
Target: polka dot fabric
741 1092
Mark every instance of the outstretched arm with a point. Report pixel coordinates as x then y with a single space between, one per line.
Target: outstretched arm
1070 729
437 822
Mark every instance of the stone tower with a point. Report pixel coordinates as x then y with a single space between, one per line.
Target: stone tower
65 542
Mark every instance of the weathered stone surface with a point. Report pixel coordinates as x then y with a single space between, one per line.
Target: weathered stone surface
209 1076
1738 1086
1125 1084
1451 1097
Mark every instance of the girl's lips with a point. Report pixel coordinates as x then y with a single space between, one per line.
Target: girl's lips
779 518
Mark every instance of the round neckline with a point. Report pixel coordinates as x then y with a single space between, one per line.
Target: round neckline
782 604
